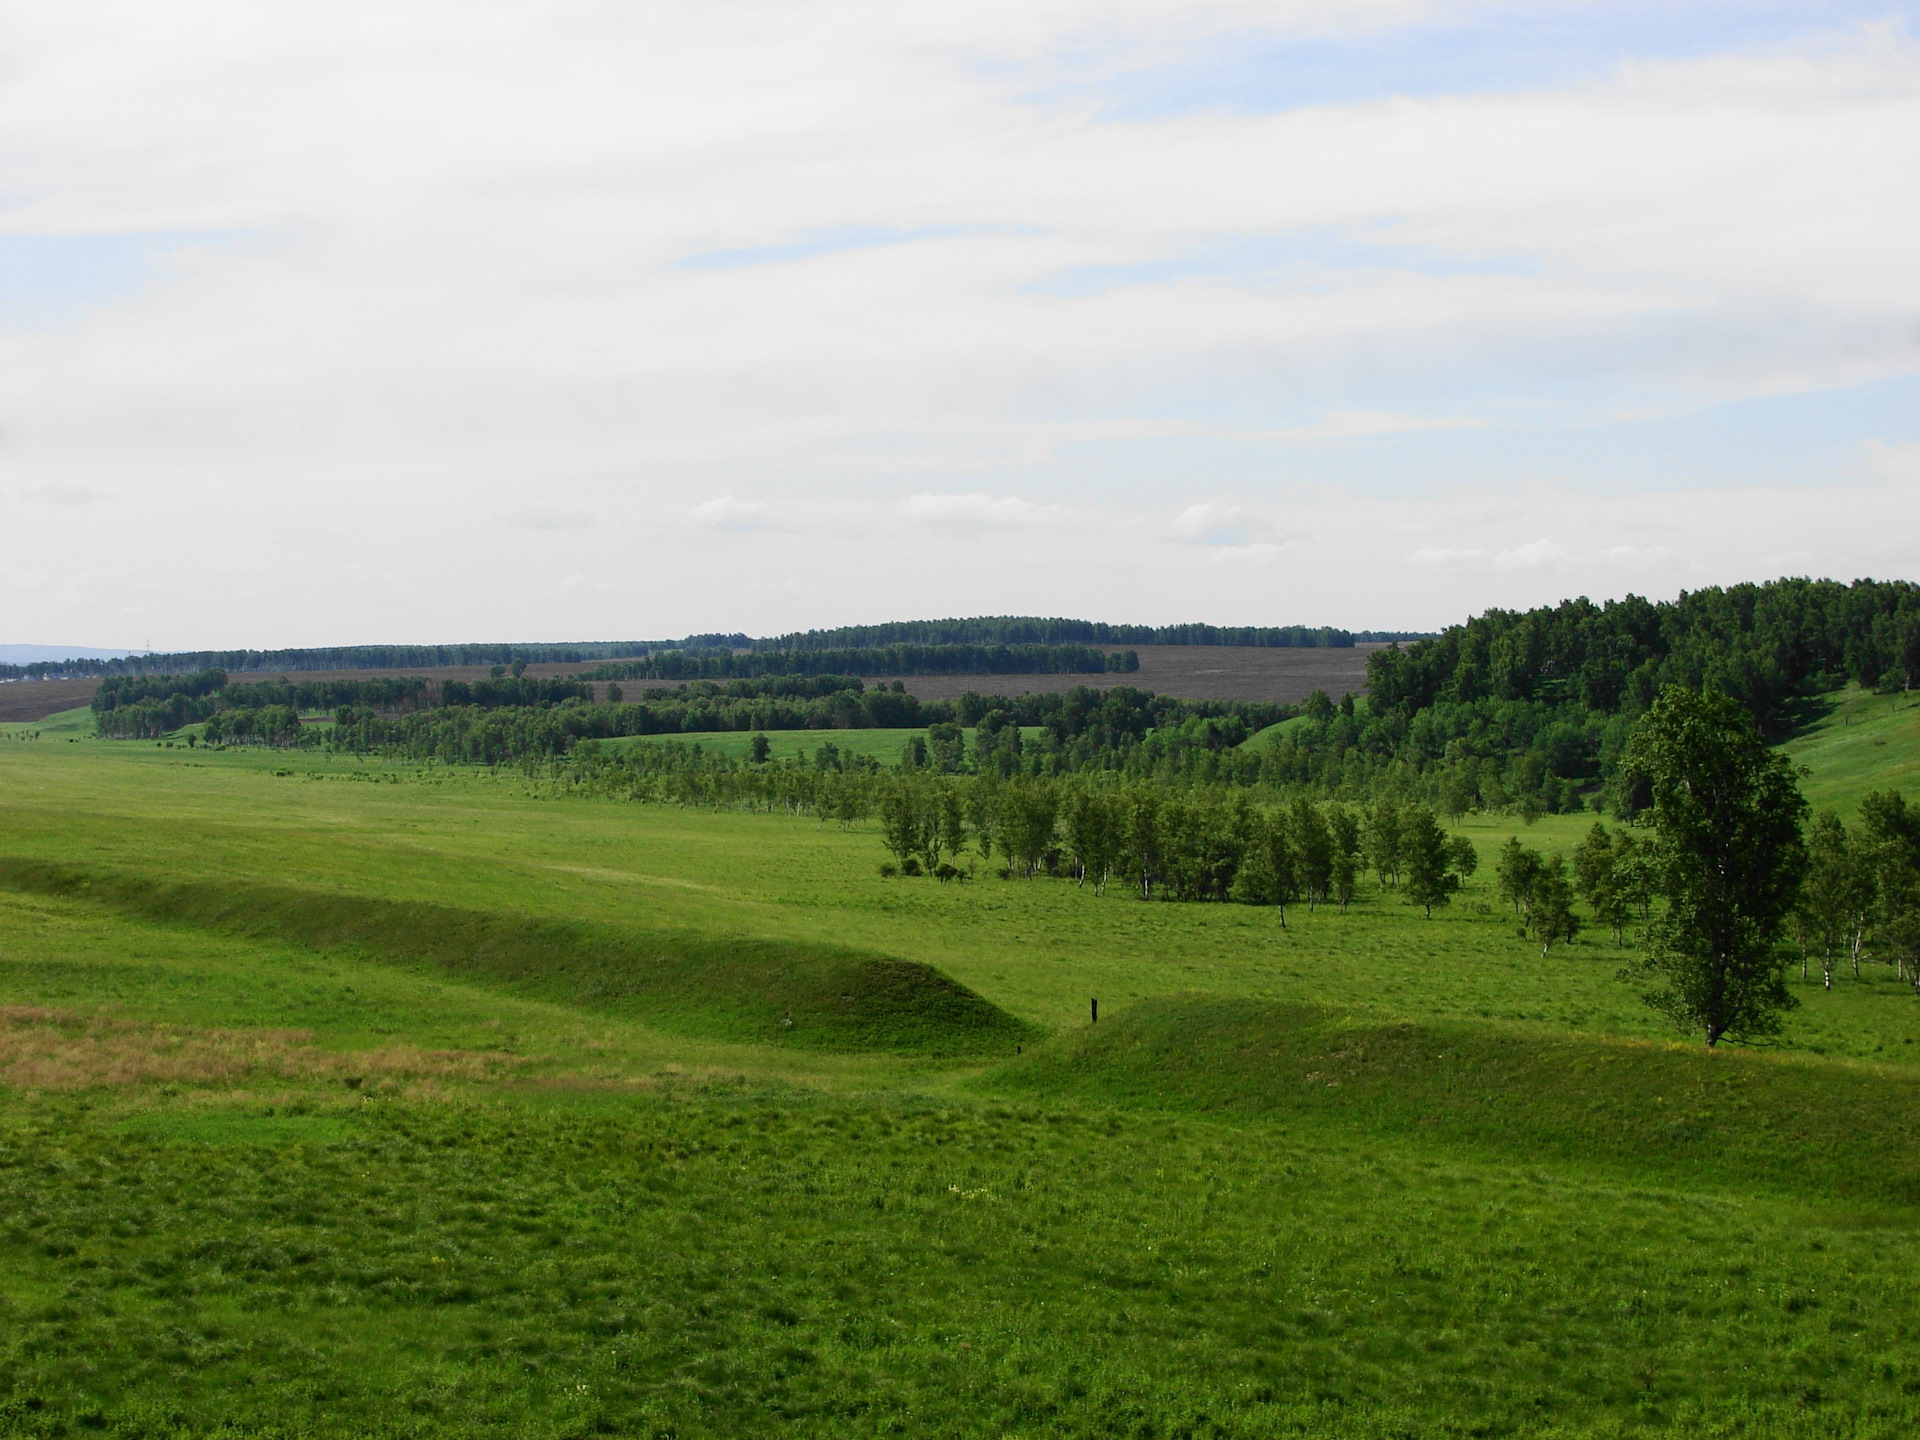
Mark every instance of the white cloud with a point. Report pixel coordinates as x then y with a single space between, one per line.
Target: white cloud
543 517
1436 555
724 512
1228 526
57 493
463 233
1533 555
977 510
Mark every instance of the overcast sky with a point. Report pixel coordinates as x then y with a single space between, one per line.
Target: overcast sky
562 320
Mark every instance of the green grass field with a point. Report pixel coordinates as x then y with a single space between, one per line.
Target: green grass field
339 1098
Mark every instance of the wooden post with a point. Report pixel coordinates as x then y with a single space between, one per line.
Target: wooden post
1096 1012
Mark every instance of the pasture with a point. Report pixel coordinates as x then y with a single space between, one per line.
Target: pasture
346 1098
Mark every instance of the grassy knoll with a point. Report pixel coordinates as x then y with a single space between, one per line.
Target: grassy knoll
67 724
732 987
1860 742
346 1099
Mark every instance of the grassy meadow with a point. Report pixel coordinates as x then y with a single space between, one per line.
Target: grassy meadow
340 1098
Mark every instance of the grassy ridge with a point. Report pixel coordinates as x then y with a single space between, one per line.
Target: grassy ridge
1862 742
719 986
1668 1111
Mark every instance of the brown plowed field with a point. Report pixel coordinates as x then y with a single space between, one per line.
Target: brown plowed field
22 700
1193 672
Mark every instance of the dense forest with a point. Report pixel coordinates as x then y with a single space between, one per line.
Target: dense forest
1535 707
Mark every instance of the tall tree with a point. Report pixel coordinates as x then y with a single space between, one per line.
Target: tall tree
1727 857
1515 871
1428 860
1313 849
1550 915
1837 895
1892 831
1343 828
1384 827
1269 874
1596 879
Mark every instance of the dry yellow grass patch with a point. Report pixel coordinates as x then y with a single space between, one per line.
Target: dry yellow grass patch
62 1050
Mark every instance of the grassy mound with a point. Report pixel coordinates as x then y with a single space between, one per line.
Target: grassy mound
1860 741
731 987
1666 1111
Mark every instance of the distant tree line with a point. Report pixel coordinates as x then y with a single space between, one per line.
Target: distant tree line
1122 730
336 657
898 659
987 631
150 706
1034 630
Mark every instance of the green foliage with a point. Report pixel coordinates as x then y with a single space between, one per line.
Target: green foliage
1839 896
1429 860
1727 858
1890 831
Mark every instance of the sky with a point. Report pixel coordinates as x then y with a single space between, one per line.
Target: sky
448 321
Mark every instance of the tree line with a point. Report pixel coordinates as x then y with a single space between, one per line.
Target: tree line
1175 845
148 707
897 659
334 657
1035 630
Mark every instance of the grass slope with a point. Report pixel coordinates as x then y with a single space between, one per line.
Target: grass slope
727 987
1861 742
350 1099
1669 1111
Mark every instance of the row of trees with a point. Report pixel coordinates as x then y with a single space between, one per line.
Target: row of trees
1035 630
1861 894
1193 845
